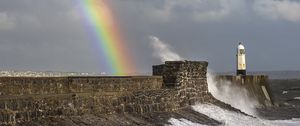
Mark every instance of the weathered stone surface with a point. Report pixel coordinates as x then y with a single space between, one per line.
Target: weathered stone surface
62 85
125 119
182 73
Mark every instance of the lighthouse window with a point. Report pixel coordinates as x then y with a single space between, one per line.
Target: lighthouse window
242 51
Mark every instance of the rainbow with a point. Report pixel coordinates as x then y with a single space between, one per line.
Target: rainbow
107 35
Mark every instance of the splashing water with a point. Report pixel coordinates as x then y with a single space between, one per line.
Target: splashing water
162 50
230 118
235 96
183 122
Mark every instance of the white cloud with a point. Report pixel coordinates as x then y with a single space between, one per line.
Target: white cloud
6 22
278 9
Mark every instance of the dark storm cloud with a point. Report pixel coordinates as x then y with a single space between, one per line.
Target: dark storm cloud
48 34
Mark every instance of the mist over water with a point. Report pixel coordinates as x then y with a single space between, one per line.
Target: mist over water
162 50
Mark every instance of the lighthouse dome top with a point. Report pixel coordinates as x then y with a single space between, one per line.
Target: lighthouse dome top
241 46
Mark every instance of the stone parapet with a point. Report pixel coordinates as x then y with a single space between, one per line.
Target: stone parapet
82 84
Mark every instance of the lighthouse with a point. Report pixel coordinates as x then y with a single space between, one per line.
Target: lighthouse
241 60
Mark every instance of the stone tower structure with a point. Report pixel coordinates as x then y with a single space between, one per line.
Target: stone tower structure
189 77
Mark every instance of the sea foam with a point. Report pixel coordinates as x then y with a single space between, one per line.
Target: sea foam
231 118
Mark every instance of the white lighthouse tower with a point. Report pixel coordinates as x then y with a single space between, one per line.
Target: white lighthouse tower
241 60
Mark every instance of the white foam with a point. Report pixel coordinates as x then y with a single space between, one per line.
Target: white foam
285 92
183 122
227 117
291 122
297 98
230 118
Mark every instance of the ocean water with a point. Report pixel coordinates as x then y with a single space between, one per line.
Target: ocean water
230 118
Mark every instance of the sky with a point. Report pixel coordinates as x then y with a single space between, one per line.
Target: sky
49 35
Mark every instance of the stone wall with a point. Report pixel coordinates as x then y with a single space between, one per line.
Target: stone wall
63 85
189 77
26 98
257 86
175 85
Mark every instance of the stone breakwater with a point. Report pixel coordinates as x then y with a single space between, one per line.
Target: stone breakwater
173 86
